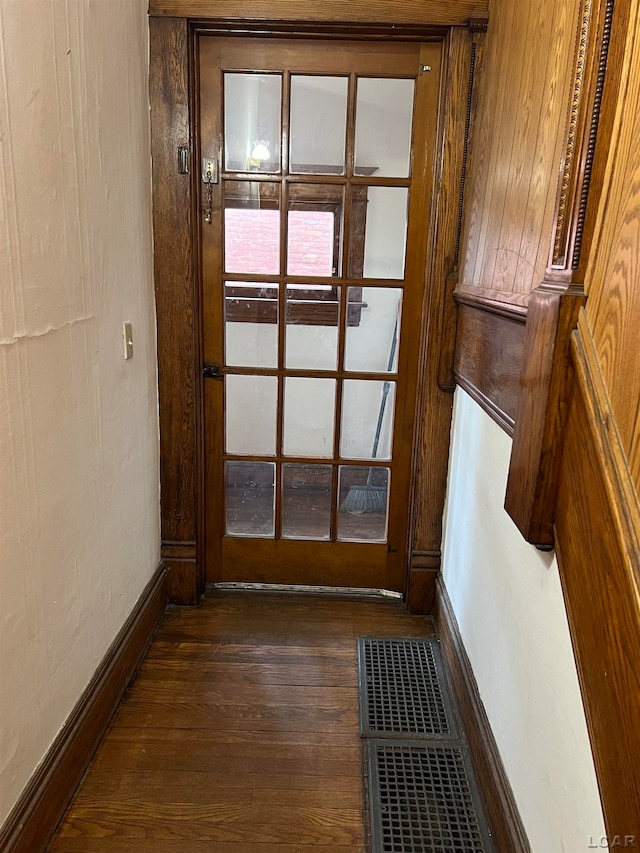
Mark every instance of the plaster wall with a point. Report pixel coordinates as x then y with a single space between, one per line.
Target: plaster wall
509 606
79 483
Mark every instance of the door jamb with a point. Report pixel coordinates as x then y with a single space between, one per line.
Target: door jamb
173 93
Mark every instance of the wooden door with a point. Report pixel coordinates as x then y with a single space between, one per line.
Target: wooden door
315 199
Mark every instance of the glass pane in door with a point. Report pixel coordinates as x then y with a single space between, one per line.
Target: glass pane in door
252 109
249 496
380 221
252 227
366 430
314 226
309 406
251 324
384 113
306 504
318 124
363 503
312 326
251 404
373 329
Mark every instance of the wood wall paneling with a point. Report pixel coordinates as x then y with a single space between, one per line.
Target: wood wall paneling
553 310
613 276
431 440
43 802
425 12
488 358
173 266
598 533
516 144
502 811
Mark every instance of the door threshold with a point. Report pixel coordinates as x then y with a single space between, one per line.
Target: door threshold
303 589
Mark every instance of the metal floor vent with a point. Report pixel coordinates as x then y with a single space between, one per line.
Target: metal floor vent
402 692
423 800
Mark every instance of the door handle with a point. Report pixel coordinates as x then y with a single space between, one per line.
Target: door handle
212 371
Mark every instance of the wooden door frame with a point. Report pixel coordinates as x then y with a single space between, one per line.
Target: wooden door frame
177 268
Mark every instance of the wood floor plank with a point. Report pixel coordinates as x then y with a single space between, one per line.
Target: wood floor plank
239 733
167 672
233 822
141 845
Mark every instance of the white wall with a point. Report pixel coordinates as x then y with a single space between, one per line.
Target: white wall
509 606
79 494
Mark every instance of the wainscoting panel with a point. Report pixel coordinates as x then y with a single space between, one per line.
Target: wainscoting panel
598 531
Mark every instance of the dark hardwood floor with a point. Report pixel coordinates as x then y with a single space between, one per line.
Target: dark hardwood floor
240 733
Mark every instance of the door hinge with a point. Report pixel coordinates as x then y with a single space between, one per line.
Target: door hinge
424 69
183 160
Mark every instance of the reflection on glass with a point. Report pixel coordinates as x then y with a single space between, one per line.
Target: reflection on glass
252 227
314 229
363 504
312 326
380 223
251 324
366 431
250 499
309 406
318 124
384 114
251 403
252 122
306 505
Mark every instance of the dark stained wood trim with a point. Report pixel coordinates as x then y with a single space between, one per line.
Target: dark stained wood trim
35 816
598 534
502 811
446 376
545 385
413 12
506 304
488 359
433 422
182 580
176 301
424 567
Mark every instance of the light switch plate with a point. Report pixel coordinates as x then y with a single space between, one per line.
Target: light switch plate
127 339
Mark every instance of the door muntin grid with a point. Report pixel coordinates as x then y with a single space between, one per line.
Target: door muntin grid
294 301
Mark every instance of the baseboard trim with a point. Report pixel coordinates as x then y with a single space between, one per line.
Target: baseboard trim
33 819
502 811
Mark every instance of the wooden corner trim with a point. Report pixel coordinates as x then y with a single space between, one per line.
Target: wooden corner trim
37 812
502 810
545 386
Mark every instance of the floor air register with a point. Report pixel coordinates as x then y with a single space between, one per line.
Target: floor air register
423 797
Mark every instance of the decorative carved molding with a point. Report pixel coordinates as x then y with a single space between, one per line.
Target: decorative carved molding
592 50
478 25
593 132
558 254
